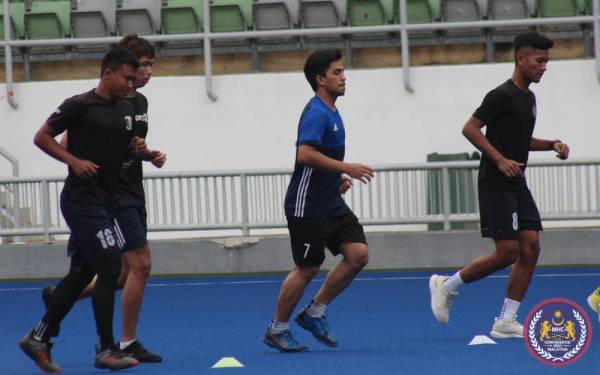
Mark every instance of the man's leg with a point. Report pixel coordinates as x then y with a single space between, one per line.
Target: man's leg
292 290
89 289
139 264
37 344
506 325
312 317
443 289
356 257
279 335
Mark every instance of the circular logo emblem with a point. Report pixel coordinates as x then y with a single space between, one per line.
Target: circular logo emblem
557 332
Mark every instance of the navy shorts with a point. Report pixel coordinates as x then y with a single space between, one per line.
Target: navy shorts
94 229
504 213
132 218
310 236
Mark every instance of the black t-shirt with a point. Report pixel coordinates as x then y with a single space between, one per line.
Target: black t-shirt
99 131
131 180
509 115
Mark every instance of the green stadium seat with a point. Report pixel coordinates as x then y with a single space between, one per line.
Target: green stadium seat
419 11
557 8
365 13
230 15
48 20
560 8
182 16
390 10
17 18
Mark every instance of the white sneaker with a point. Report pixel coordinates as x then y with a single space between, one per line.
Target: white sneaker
441 298
507 328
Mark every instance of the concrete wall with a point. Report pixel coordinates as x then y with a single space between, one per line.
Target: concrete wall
387 251
253 124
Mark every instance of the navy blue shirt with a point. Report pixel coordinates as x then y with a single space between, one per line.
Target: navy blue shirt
314 192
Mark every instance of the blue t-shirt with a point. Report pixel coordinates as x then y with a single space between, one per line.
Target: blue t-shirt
314 192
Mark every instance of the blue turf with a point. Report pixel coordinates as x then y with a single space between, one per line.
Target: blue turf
382 322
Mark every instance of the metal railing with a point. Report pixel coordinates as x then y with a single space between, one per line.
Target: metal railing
442 193
404 28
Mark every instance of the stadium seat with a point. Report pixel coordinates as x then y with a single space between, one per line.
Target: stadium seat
182 16
461 11
94 18
557 8
17 20
319 13
419 11
272 15
508 10
139 16
48 20
365 13
230 15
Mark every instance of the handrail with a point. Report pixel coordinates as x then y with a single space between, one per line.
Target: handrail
8 64
403 27
12 160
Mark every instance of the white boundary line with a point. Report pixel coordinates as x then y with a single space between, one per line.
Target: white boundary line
359 279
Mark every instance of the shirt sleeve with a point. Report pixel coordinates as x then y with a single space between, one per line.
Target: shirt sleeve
312 128
65 116
491 107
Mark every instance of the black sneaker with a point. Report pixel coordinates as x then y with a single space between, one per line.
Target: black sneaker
40 353
47 294
114 359
136 350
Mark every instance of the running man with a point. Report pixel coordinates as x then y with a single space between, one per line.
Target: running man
508 212
131 211
100 126
317 215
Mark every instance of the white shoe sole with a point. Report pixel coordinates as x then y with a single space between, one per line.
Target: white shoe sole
499 335
431 288
591 304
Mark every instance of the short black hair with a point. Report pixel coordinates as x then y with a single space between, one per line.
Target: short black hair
317 64
116 58
138 45
533 40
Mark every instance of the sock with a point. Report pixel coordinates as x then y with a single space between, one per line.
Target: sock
316 309
124 344
509 308
278 327
454 282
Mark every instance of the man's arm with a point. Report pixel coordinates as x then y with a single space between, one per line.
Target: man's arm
472 131
310 156
562 149
44 139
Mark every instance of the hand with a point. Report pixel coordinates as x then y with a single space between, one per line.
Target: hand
84 168
138 146
360 172
562 150
158 158
346 183
510 168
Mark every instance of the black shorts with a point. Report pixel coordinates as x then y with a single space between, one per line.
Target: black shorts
132 218
503 213
310 236
94 229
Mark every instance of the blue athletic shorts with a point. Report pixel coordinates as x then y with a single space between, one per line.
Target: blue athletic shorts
94 229
132 218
